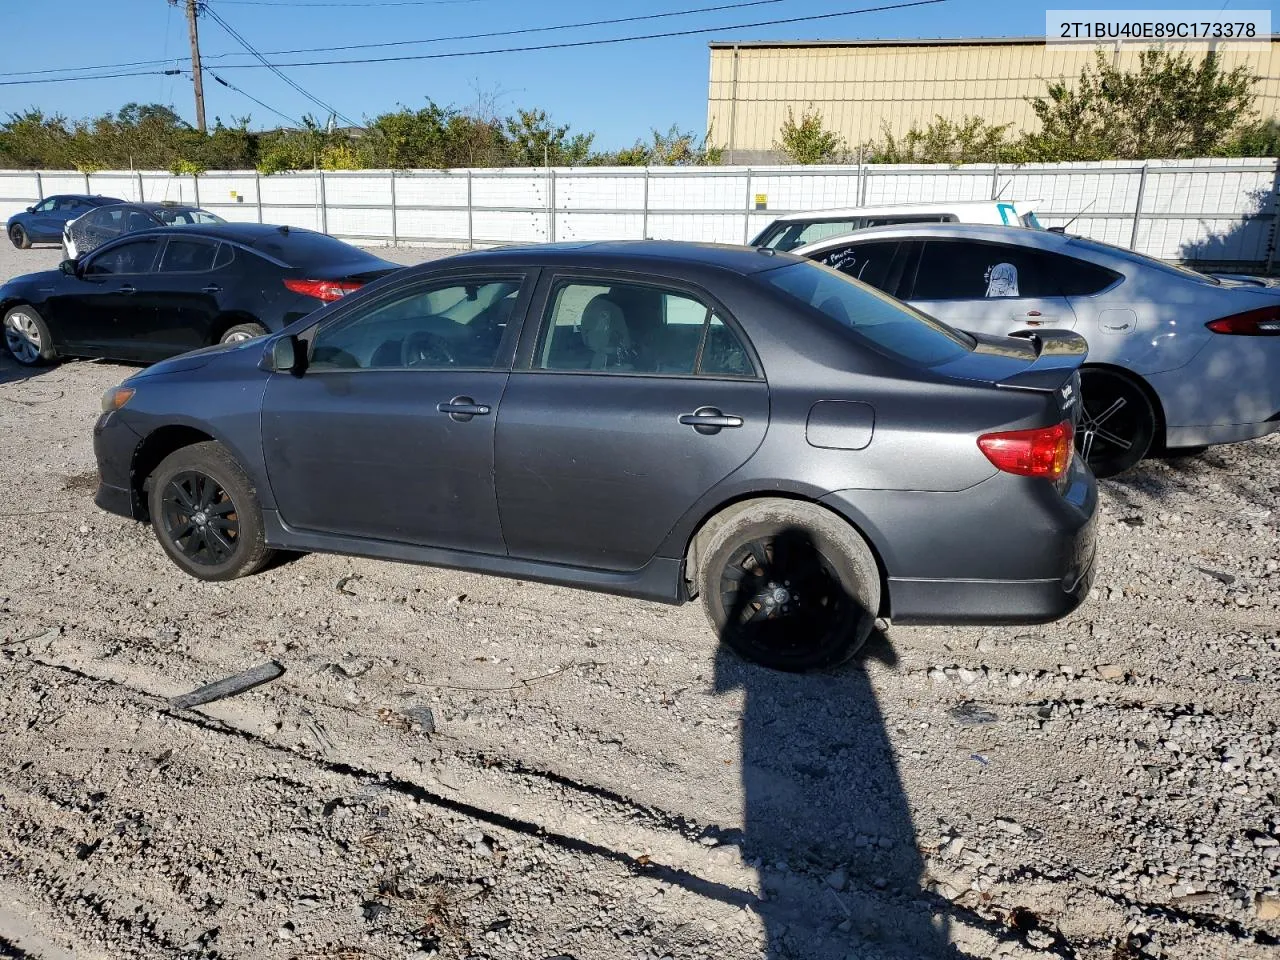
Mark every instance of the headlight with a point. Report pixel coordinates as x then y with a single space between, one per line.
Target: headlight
115 398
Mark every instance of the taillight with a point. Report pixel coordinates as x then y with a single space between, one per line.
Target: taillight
1045 452
1264 322
326 290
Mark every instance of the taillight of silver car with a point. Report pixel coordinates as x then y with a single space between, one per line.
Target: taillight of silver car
1264 322
1043 452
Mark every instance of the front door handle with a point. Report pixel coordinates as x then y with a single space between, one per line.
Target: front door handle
709 420
128 289
463 409
212 288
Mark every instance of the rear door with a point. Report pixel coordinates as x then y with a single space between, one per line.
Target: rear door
187 288
993 288
631 398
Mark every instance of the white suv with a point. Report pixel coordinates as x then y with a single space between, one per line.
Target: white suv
798 229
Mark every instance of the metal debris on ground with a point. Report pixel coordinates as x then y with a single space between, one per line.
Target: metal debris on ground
229 687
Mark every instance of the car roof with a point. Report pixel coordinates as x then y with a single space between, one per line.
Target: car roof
993 233
622 254
888 209
245 233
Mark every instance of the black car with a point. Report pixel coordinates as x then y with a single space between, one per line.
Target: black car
660 420
43 222
158 293
92 230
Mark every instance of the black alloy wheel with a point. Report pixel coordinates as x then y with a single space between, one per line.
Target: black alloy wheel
200 519
1117 422
18 237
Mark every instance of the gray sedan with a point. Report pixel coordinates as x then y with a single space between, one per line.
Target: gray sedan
1176 358
659 420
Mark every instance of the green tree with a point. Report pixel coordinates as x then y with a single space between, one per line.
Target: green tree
970 140
534 140
807 141
1169 107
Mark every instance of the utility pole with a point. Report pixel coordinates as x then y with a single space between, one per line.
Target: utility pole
193 10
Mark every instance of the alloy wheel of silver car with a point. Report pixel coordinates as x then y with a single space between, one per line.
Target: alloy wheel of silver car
22 336
1117 422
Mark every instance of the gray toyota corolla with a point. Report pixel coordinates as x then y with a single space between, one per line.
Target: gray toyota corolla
660 420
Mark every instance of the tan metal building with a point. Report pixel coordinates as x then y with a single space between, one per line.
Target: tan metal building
860 87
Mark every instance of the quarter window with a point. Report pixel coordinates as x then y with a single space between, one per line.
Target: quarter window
1079 279
629 328
136 256
455 325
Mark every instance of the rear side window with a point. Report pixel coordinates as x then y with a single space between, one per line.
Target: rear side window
965 270
890 326
868 262
188 256
629 328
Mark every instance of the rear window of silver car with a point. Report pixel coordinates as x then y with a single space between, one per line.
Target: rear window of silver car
889 325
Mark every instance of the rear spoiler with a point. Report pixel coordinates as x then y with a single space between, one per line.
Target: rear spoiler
1058 354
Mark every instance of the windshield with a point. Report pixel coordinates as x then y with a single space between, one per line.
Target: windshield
1029 220
890 325
1142 258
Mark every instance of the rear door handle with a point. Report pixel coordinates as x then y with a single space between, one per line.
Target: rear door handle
463 409
128 288
709 420
212 288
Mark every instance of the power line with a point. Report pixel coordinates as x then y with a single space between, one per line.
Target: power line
400 43
249 96
593 43
329 108
101 76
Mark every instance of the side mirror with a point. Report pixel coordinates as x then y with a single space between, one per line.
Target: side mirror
284 355
70 267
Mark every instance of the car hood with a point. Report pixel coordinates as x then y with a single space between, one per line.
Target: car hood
195 359
44 278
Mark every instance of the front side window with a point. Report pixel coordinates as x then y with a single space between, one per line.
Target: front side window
965 270
188 256
45 206
868 262
890 326
458 324
630 328
137 256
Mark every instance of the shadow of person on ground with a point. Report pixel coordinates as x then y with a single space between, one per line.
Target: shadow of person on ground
826 820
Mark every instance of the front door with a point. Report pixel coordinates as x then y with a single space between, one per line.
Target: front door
388 434
633 399
993 288
102 310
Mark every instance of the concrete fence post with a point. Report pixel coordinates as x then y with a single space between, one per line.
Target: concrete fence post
395 232
195 187
137 174
257 192
324 205
644 217
1137 208
471 224
995 182
39 187
746 212
86 184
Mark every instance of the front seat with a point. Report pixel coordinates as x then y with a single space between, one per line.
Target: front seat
605 334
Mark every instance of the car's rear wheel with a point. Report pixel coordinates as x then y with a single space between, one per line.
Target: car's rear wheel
243 331
27 336
1117 423
789 585
206 515
19 237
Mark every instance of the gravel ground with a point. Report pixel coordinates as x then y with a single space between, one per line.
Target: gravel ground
471 767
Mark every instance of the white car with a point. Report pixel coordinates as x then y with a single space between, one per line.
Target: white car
1176 358
797 229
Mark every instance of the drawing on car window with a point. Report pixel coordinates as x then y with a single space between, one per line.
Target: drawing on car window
1002 280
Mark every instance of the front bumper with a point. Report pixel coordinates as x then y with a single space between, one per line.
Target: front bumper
114 445
1008 550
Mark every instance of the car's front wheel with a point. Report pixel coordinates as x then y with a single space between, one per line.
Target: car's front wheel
1117 423
27 336
19 237
789 585
206 515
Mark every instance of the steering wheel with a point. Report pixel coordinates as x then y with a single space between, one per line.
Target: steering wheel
425 349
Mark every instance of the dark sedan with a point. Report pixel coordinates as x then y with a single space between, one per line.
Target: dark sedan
43 222
88 232
654 419
158 293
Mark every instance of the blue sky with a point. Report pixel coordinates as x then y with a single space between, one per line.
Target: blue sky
620 91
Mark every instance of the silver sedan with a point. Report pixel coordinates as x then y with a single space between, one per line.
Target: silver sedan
1176 358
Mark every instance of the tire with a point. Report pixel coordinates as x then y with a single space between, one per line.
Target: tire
27 336
763 563
222 537
19 237
243 331
1117 424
